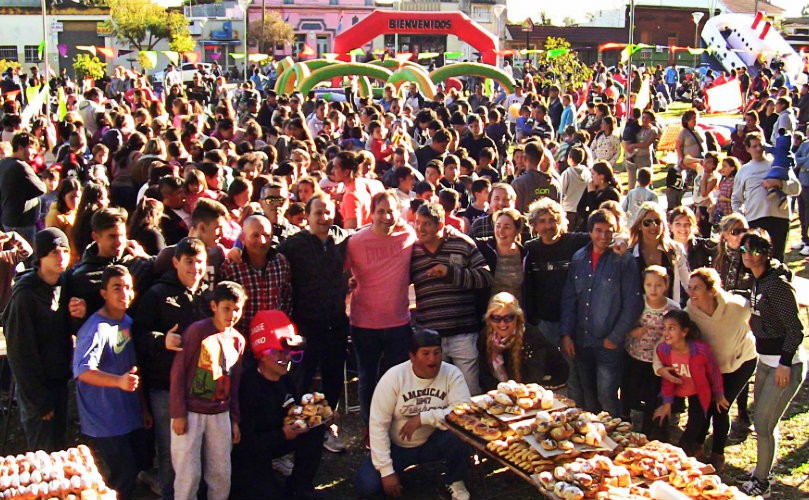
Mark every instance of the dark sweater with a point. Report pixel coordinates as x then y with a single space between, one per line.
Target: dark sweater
20 189
775 319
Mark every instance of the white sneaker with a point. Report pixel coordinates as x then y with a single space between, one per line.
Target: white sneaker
458 491
798 245
333 443
805 251
284 465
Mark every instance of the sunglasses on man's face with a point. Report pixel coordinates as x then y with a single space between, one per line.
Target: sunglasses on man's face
755 252
508 318
294 356
276 199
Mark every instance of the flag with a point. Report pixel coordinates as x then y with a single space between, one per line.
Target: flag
237 55
610 46
124 52
34 105
357 52
215 55
427 55
88 48
41 49
257 57
628 51
554 53
172 56
192 57
453 54
108 52
62 100
62 50
330 56
307 52
151 56
725 98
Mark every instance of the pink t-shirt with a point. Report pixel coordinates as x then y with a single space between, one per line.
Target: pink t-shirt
381 265
682 368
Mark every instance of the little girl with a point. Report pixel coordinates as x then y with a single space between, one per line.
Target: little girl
689 370
195 187
640 386
703 197
730 166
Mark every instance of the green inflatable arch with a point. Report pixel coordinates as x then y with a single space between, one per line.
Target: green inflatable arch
298 72
473 69
419 76
339 70
393 64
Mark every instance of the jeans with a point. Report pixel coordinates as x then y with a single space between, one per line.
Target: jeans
733 383
123 457
696 428
159 401
551 331
771 403
778 229
803 212
462 351
674 198
441 445
600 372
631 172
208 436
49 435
325 349
640 388
377 350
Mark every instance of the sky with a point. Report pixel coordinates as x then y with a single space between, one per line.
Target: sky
518 10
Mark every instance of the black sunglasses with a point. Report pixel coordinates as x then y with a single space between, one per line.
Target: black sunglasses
649 222
508 318
736 231
755 252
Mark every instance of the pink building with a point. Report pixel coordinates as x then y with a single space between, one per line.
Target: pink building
316 22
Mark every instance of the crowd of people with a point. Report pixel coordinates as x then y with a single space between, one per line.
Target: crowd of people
200 242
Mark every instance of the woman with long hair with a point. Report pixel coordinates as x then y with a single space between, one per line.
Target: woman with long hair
735 277
652 244
511 349
722 318
690 141
93 198
62 214
144 225
603 187
505 254
781 369
123 192
606 144
737 148
699 251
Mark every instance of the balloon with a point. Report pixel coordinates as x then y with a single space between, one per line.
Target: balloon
514 110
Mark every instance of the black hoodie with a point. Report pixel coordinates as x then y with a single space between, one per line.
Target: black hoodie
40 349
775 319
167 303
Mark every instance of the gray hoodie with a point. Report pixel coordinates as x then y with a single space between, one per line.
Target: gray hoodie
574 182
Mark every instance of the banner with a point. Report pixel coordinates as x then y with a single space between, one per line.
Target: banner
237 55
644 95
257 57
41 49
192 57
151 56
452 55
307 52
172 56
554 53
357 52
34 105
124 52
107 52
88 48
215 56
427 55
725 98
62 50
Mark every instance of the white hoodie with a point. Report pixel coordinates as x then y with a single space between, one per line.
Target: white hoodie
574 182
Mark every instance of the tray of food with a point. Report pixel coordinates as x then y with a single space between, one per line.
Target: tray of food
583 478
313 411
514 401
565 431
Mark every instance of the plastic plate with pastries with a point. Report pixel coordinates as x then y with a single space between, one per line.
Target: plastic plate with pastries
515 401
565 431
313 411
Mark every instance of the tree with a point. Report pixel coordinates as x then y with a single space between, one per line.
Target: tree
272 32
563 69
544 19
569 21
805 10
143 24
88 65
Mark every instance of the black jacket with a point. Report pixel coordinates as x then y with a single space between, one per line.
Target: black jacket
167 303
173 227
20 189
775 320
319 284
83 280
40 349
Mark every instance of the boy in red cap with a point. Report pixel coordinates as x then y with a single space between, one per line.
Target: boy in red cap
204 397
265 397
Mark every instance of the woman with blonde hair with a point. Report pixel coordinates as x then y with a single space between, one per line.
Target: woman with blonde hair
651 244
511 349
728 263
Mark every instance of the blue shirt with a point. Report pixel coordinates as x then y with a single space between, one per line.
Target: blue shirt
106 345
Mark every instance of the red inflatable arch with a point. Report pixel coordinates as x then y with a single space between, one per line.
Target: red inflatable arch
381 22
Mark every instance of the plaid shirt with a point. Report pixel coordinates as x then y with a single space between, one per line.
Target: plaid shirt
267 288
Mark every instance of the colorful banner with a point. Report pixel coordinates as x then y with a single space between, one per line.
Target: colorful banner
151 56
237 55
427 55
610 46
192 57
330 56
307 52
357 52
725 98
554 53
452 55
62 50
41 49
124 52
34 105
108 52
88 48
215 56
257 57
172 56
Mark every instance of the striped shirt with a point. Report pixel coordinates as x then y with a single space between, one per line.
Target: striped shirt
447 304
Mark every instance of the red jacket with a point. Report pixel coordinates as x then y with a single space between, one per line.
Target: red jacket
704 371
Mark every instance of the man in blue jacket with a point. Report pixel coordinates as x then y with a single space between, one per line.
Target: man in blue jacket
601 302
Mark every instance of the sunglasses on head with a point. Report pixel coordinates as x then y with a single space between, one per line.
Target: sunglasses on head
736 231
649 222
755 252
294 356
508 318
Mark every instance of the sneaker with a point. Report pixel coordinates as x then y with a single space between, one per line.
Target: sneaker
805 251
333 444
748 476
284 465
149 478
741 427
756 488
798 245
458 491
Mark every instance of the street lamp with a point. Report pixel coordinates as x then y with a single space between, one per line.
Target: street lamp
498 11
697 16
245 4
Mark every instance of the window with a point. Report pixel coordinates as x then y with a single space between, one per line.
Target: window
481 14
289 2
32 54
8 52
334 2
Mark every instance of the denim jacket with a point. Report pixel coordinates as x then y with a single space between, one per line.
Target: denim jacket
605 303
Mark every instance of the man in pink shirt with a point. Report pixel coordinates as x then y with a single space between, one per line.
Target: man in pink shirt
378 256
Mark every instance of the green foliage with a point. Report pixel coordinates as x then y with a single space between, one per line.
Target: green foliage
274 31
5 64
565 70
89 65
143 24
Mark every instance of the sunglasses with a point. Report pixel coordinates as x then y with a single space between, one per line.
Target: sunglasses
737 231
277 199
755 252
649 222
294 356
508 318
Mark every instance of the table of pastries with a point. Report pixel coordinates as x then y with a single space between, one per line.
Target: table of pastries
570 454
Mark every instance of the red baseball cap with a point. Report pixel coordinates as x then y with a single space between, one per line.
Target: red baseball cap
273 330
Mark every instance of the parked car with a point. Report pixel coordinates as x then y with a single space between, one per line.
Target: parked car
188 70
